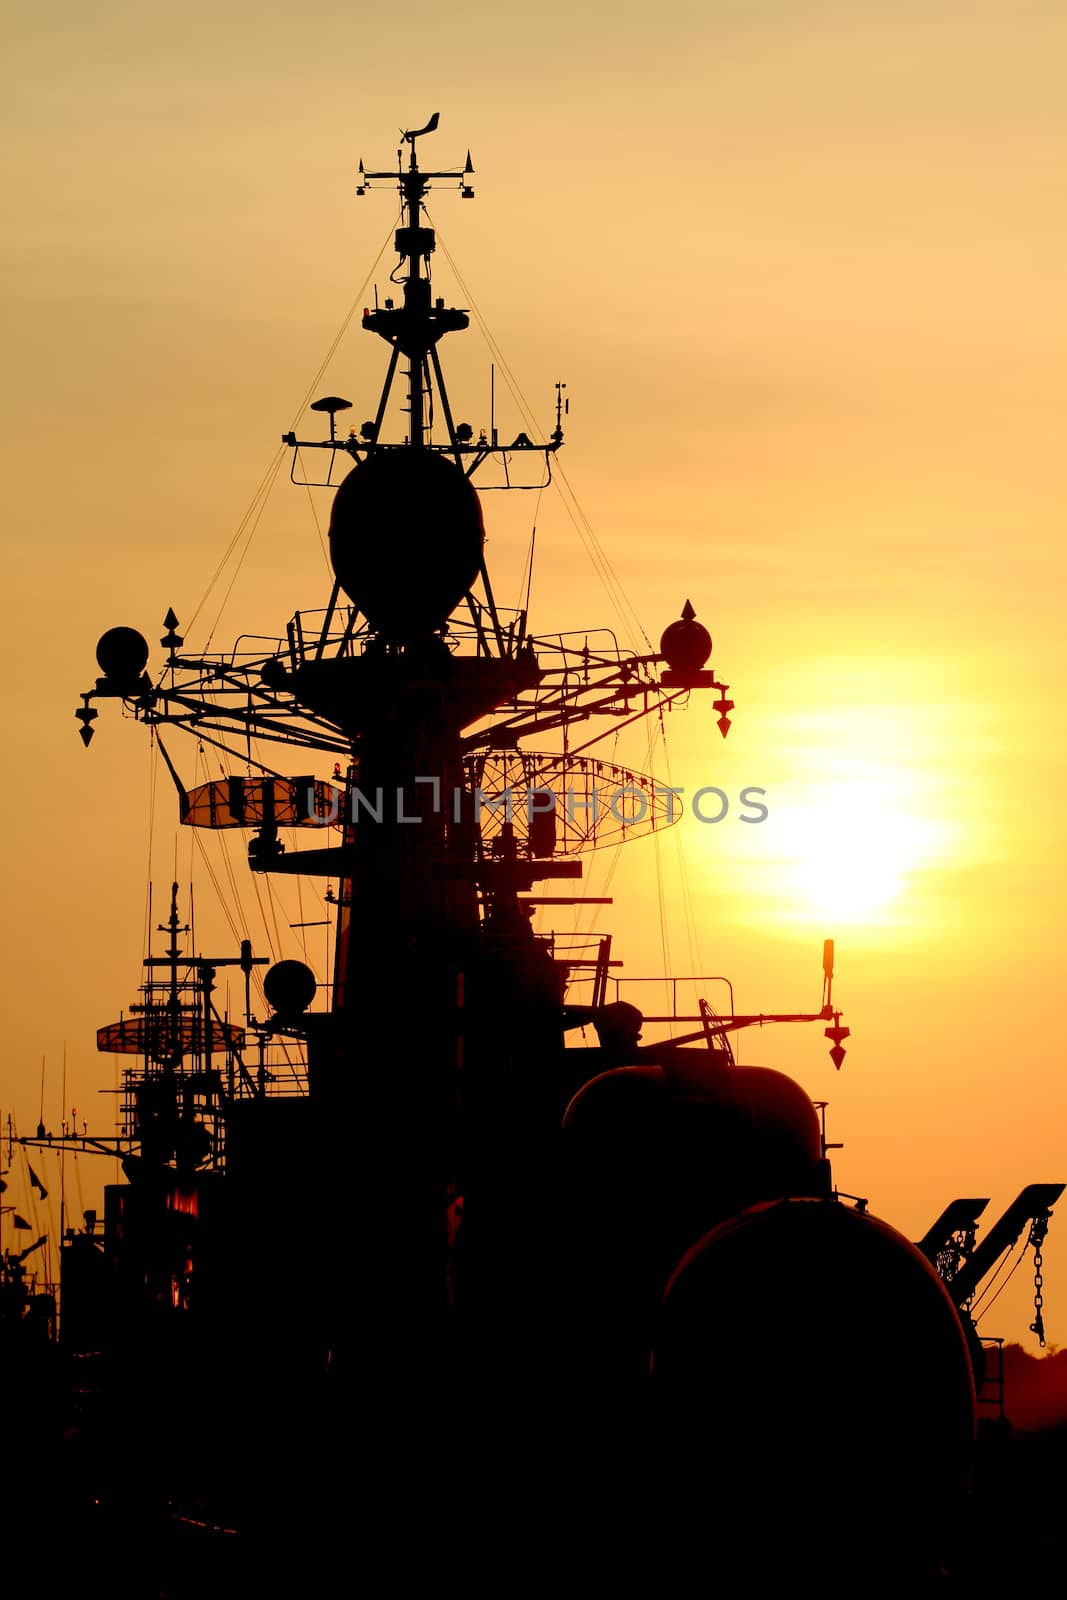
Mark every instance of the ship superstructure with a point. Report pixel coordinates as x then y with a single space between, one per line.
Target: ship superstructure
566 1274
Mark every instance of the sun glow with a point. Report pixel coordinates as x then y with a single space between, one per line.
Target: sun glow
850 852
873 811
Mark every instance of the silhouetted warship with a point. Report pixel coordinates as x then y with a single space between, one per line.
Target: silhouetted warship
597 1303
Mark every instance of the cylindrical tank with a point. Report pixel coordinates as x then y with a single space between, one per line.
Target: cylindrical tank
406 540
653 1156
688 1141
811 1377
811 1406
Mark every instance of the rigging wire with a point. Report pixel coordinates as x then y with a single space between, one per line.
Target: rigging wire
692 930
594 912
246 921
273 895
78 1184
624 608
192 924
273 904
318 530
153 770
224 904
983 1305
267 481
664 934
227 913
234 898
272 475
227 903
602 565
262 490
526 579
1001 1264
300 917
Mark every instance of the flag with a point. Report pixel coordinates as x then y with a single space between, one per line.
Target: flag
36 1183
20 1222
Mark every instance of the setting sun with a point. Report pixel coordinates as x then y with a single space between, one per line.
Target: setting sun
874 802
851 852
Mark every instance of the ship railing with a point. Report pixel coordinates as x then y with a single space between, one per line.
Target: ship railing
581 650
573 951
312 635
337 631
278 1071
583 959
641 992
251 650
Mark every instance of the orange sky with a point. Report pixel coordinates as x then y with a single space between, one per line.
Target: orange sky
801 267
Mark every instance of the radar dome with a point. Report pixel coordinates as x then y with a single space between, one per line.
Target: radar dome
686 644
122 655
406 540
289 987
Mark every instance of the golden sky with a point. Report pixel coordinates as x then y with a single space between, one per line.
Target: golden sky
801 267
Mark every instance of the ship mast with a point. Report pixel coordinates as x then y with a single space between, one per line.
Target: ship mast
441 803
420 330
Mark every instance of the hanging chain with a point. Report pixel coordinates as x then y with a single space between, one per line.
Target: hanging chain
1038 1230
